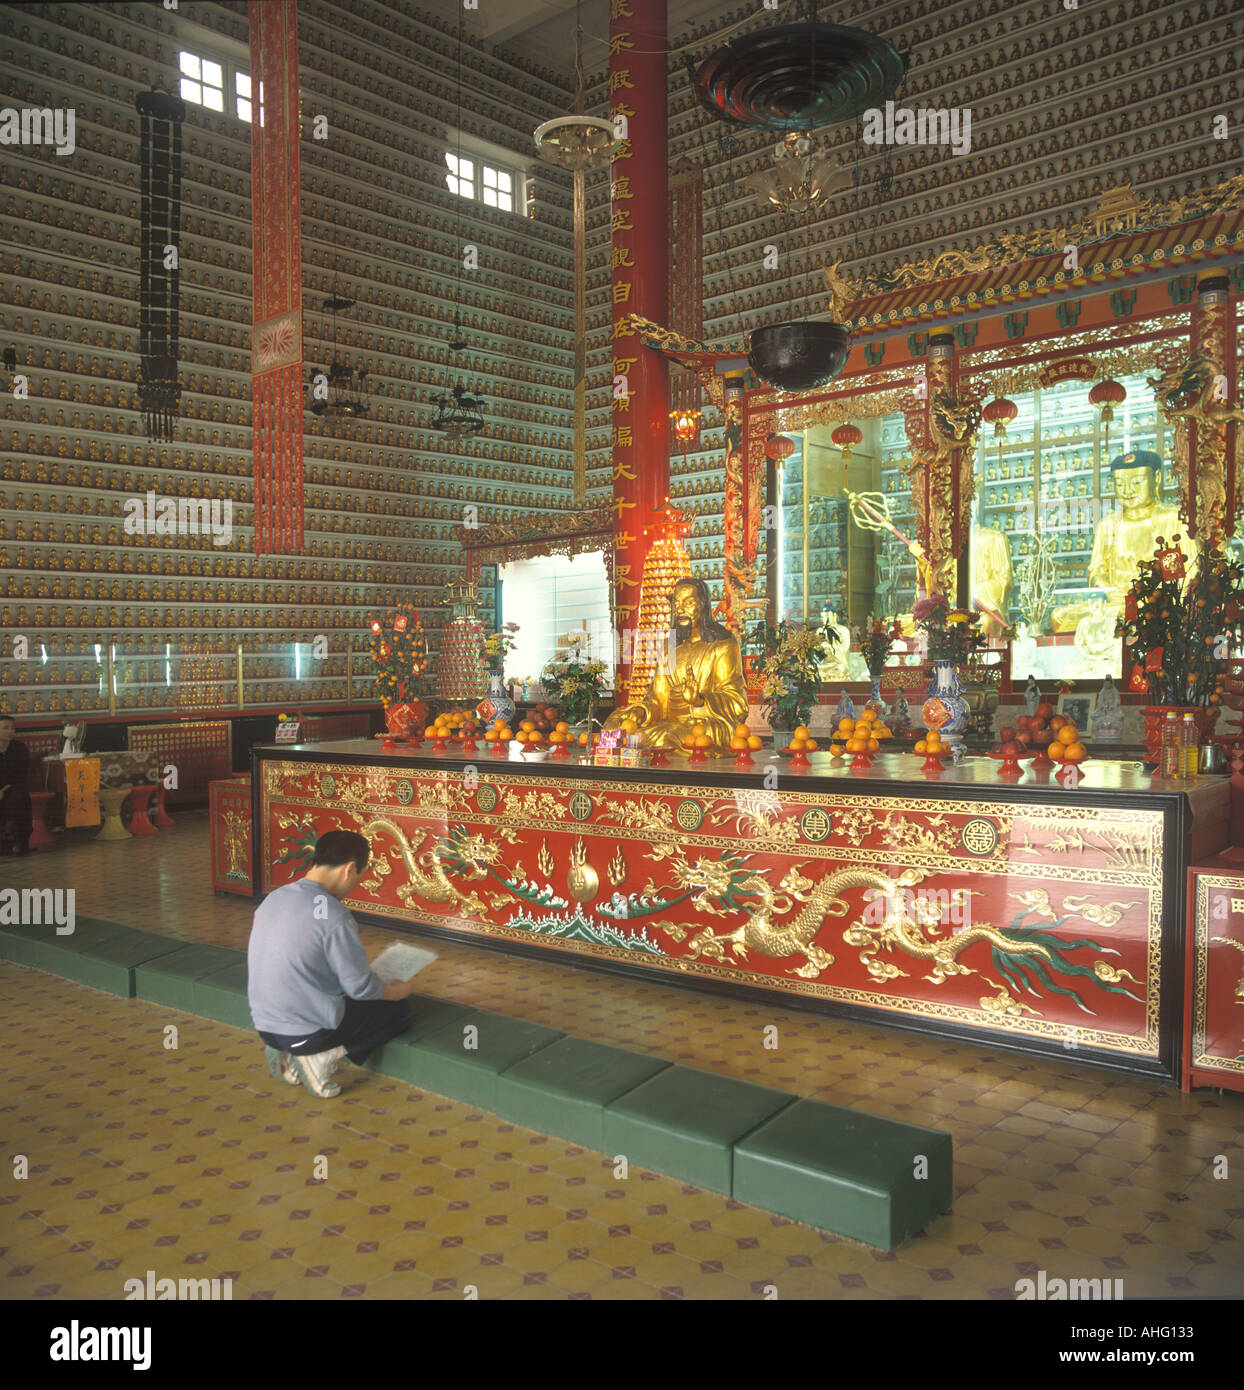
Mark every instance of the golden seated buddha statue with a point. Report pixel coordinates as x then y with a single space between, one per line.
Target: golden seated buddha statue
705 686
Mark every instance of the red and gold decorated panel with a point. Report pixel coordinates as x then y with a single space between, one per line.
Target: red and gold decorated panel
1038 919
229 804
1214 1034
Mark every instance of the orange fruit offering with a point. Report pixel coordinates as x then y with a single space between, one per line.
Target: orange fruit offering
741 731
798 744
738 744
868 717
1075 752
583 740
1069 734
490 735
698 731
873 745
811 745
856 745
922 746
1055 750
801 732
562 727
702 741
845 723
755 741
835 751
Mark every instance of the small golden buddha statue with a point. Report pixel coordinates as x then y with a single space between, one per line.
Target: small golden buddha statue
1128 535
705 686
992 576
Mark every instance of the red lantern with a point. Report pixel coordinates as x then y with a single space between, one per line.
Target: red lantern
779 447
686 424
847 437
1106 395
1000 413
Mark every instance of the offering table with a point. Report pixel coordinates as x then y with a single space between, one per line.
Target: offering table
1026 915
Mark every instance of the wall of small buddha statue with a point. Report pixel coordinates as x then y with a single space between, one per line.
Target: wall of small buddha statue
1062 109
384 494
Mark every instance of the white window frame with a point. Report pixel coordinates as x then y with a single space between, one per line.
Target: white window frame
231 70
485 159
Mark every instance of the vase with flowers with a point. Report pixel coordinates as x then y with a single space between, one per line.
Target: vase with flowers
1179 632
496 647
875 643
790 659
577 684
951 636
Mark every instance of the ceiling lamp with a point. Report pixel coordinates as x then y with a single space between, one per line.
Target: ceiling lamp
799 179
798 77
337 389
459 414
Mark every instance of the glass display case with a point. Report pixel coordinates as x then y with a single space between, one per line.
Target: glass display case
1043 495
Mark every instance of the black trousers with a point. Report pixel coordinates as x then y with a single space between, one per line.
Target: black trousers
16 822
365 1026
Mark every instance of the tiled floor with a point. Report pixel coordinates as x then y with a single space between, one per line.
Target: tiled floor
192 1162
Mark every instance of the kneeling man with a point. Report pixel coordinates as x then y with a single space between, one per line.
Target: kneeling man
312 996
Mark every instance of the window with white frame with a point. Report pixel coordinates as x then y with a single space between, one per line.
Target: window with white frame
481 179
217 84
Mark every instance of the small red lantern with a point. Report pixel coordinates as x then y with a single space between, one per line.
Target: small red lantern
1106 395
686 425
847 437
779 447
1000 413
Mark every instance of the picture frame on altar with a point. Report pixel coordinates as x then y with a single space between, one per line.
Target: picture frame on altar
1077 708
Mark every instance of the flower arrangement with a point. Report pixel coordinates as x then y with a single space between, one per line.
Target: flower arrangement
399 652
876 642
577 684
498 645
1179 633
951 634
790 670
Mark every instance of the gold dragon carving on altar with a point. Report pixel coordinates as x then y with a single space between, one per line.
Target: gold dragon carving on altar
426 874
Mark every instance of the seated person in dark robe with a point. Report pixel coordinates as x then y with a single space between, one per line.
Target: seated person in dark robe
15 821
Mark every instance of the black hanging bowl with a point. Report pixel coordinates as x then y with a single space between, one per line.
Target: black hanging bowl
799 356
798 76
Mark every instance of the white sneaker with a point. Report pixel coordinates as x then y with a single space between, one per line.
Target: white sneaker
281 1064
317 1070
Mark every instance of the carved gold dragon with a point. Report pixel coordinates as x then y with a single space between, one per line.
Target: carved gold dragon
426 877
896 931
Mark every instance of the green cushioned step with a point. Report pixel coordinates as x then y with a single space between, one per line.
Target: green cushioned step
428 1015
844 1171
40 946
170 980
110 964
684 1123
222 996
451 1063
564 1088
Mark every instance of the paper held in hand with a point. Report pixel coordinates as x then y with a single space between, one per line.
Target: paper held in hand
401 962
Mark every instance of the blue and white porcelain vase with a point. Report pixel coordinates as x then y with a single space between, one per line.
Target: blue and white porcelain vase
497 703
875 702
946 710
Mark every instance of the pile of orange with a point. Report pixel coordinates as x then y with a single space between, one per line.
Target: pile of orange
528 733
802 741
932 743
560 733
862 735
699 737
500 732
1066 747
743 739
455 723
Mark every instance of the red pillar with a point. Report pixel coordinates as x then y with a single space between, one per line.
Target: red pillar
639 277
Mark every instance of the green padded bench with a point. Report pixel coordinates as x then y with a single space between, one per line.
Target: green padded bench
564 1088
846 1171
439 1061
685 1123
103 955
222 996
170 980
428 1015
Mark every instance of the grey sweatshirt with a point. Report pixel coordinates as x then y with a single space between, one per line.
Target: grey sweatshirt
303 957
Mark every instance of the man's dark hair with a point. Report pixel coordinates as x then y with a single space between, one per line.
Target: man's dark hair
338 847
